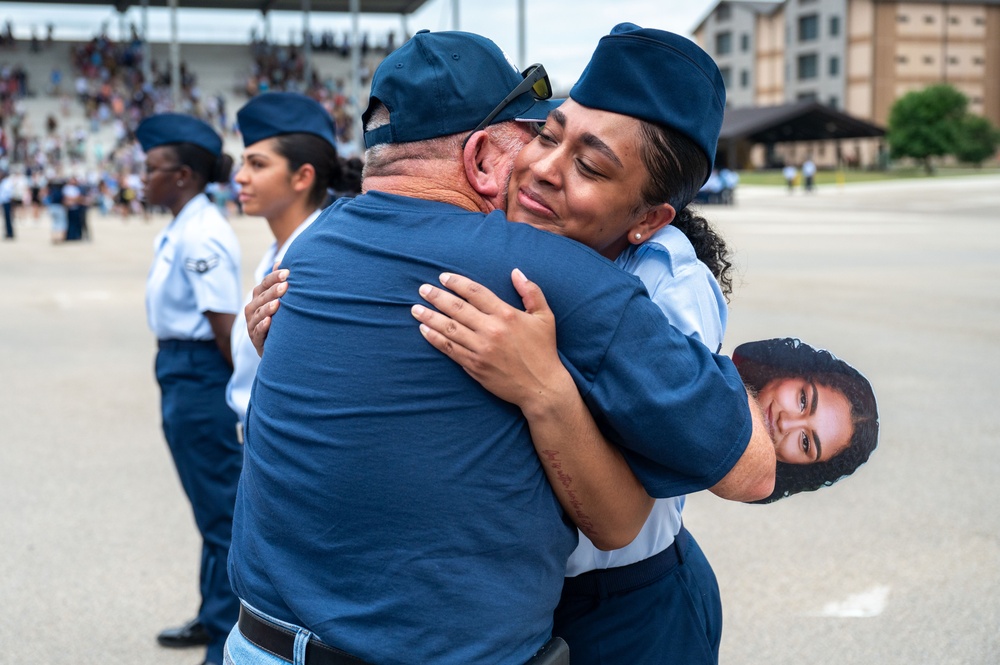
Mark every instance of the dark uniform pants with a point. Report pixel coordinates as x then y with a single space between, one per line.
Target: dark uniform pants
200 429
8 219
673 619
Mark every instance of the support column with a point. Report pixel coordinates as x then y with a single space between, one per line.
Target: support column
306 42
147 49
175 59
357 108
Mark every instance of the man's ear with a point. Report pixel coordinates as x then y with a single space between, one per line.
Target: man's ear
654 220
480 158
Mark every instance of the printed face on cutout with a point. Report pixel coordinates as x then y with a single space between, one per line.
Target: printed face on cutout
809 422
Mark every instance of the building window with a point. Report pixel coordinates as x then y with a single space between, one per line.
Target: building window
808 67
979 61
723 43
979 20
952 60
902 59
727 76
834 103
834 26
928 60
744 42
808 28
902 18
806 97
744 78
953 20
723 12
834 66
807 2
977 100
928 19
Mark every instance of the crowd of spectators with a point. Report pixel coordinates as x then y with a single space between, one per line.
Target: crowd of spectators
45 158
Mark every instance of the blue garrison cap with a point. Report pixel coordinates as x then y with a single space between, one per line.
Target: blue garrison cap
656 76
276 113
168 128
443 83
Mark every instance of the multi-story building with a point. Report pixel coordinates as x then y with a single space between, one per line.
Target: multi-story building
857 56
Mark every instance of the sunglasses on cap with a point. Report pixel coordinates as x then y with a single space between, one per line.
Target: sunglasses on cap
535 80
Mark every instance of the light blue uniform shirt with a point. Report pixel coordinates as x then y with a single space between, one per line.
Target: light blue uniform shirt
245 358
196 269
687 293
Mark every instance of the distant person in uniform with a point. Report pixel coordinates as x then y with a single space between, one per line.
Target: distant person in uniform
289 163
378 433
192 296
7 201
808 174
790 173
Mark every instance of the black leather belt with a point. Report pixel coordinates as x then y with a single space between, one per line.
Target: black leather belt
280 641
184 344
601 583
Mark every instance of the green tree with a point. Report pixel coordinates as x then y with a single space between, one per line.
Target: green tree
924 124
976 139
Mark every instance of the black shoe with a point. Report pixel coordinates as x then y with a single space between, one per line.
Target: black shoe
191 634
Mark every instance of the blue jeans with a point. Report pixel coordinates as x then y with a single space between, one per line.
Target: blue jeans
241 651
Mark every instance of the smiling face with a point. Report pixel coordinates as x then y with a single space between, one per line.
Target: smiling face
582 177
809 422
265 180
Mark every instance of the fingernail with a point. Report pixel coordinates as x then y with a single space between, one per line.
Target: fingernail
517 271
282 274
445 276
418 310
424 289
282 287
424 330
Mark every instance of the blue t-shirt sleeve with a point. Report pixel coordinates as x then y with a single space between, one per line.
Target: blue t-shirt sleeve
678 411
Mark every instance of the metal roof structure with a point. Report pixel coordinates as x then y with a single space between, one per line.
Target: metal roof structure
263 6
798 121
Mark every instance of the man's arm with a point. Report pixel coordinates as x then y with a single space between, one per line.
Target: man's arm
513 355
752 478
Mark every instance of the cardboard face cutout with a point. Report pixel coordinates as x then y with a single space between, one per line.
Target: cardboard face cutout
820 412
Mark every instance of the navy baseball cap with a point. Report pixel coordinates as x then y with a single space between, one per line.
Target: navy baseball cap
276 113
443 83
660 77
169 128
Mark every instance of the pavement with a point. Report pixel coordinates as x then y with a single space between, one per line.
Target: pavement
898 564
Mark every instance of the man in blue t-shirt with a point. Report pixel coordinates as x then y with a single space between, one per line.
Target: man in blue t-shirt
391 507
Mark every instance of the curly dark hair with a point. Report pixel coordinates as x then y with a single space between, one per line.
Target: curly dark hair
764 361
677 169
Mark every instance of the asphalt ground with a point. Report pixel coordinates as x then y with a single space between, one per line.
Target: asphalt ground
897 564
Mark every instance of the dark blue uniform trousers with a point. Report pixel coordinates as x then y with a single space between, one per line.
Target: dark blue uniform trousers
666 611
200 429
8 219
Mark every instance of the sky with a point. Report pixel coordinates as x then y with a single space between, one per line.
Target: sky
561 34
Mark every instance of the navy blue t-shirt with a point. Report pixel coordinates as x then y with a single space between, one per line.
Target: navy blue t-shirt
393 506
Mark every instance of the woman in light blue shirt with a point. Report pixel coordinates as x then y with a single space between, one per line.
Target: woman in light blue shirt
192 297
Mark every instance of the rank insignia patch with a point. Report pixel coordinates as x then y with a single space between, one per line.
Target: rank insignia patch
202 265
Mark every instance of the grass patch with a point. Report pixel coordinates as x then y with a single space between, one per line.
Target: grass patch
833 177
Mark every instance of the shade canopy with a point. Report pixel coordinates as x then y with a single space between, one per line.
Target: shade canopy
800 121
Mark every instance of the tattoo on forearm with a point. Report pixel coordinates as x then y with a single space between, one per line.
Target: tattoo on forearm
551 459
